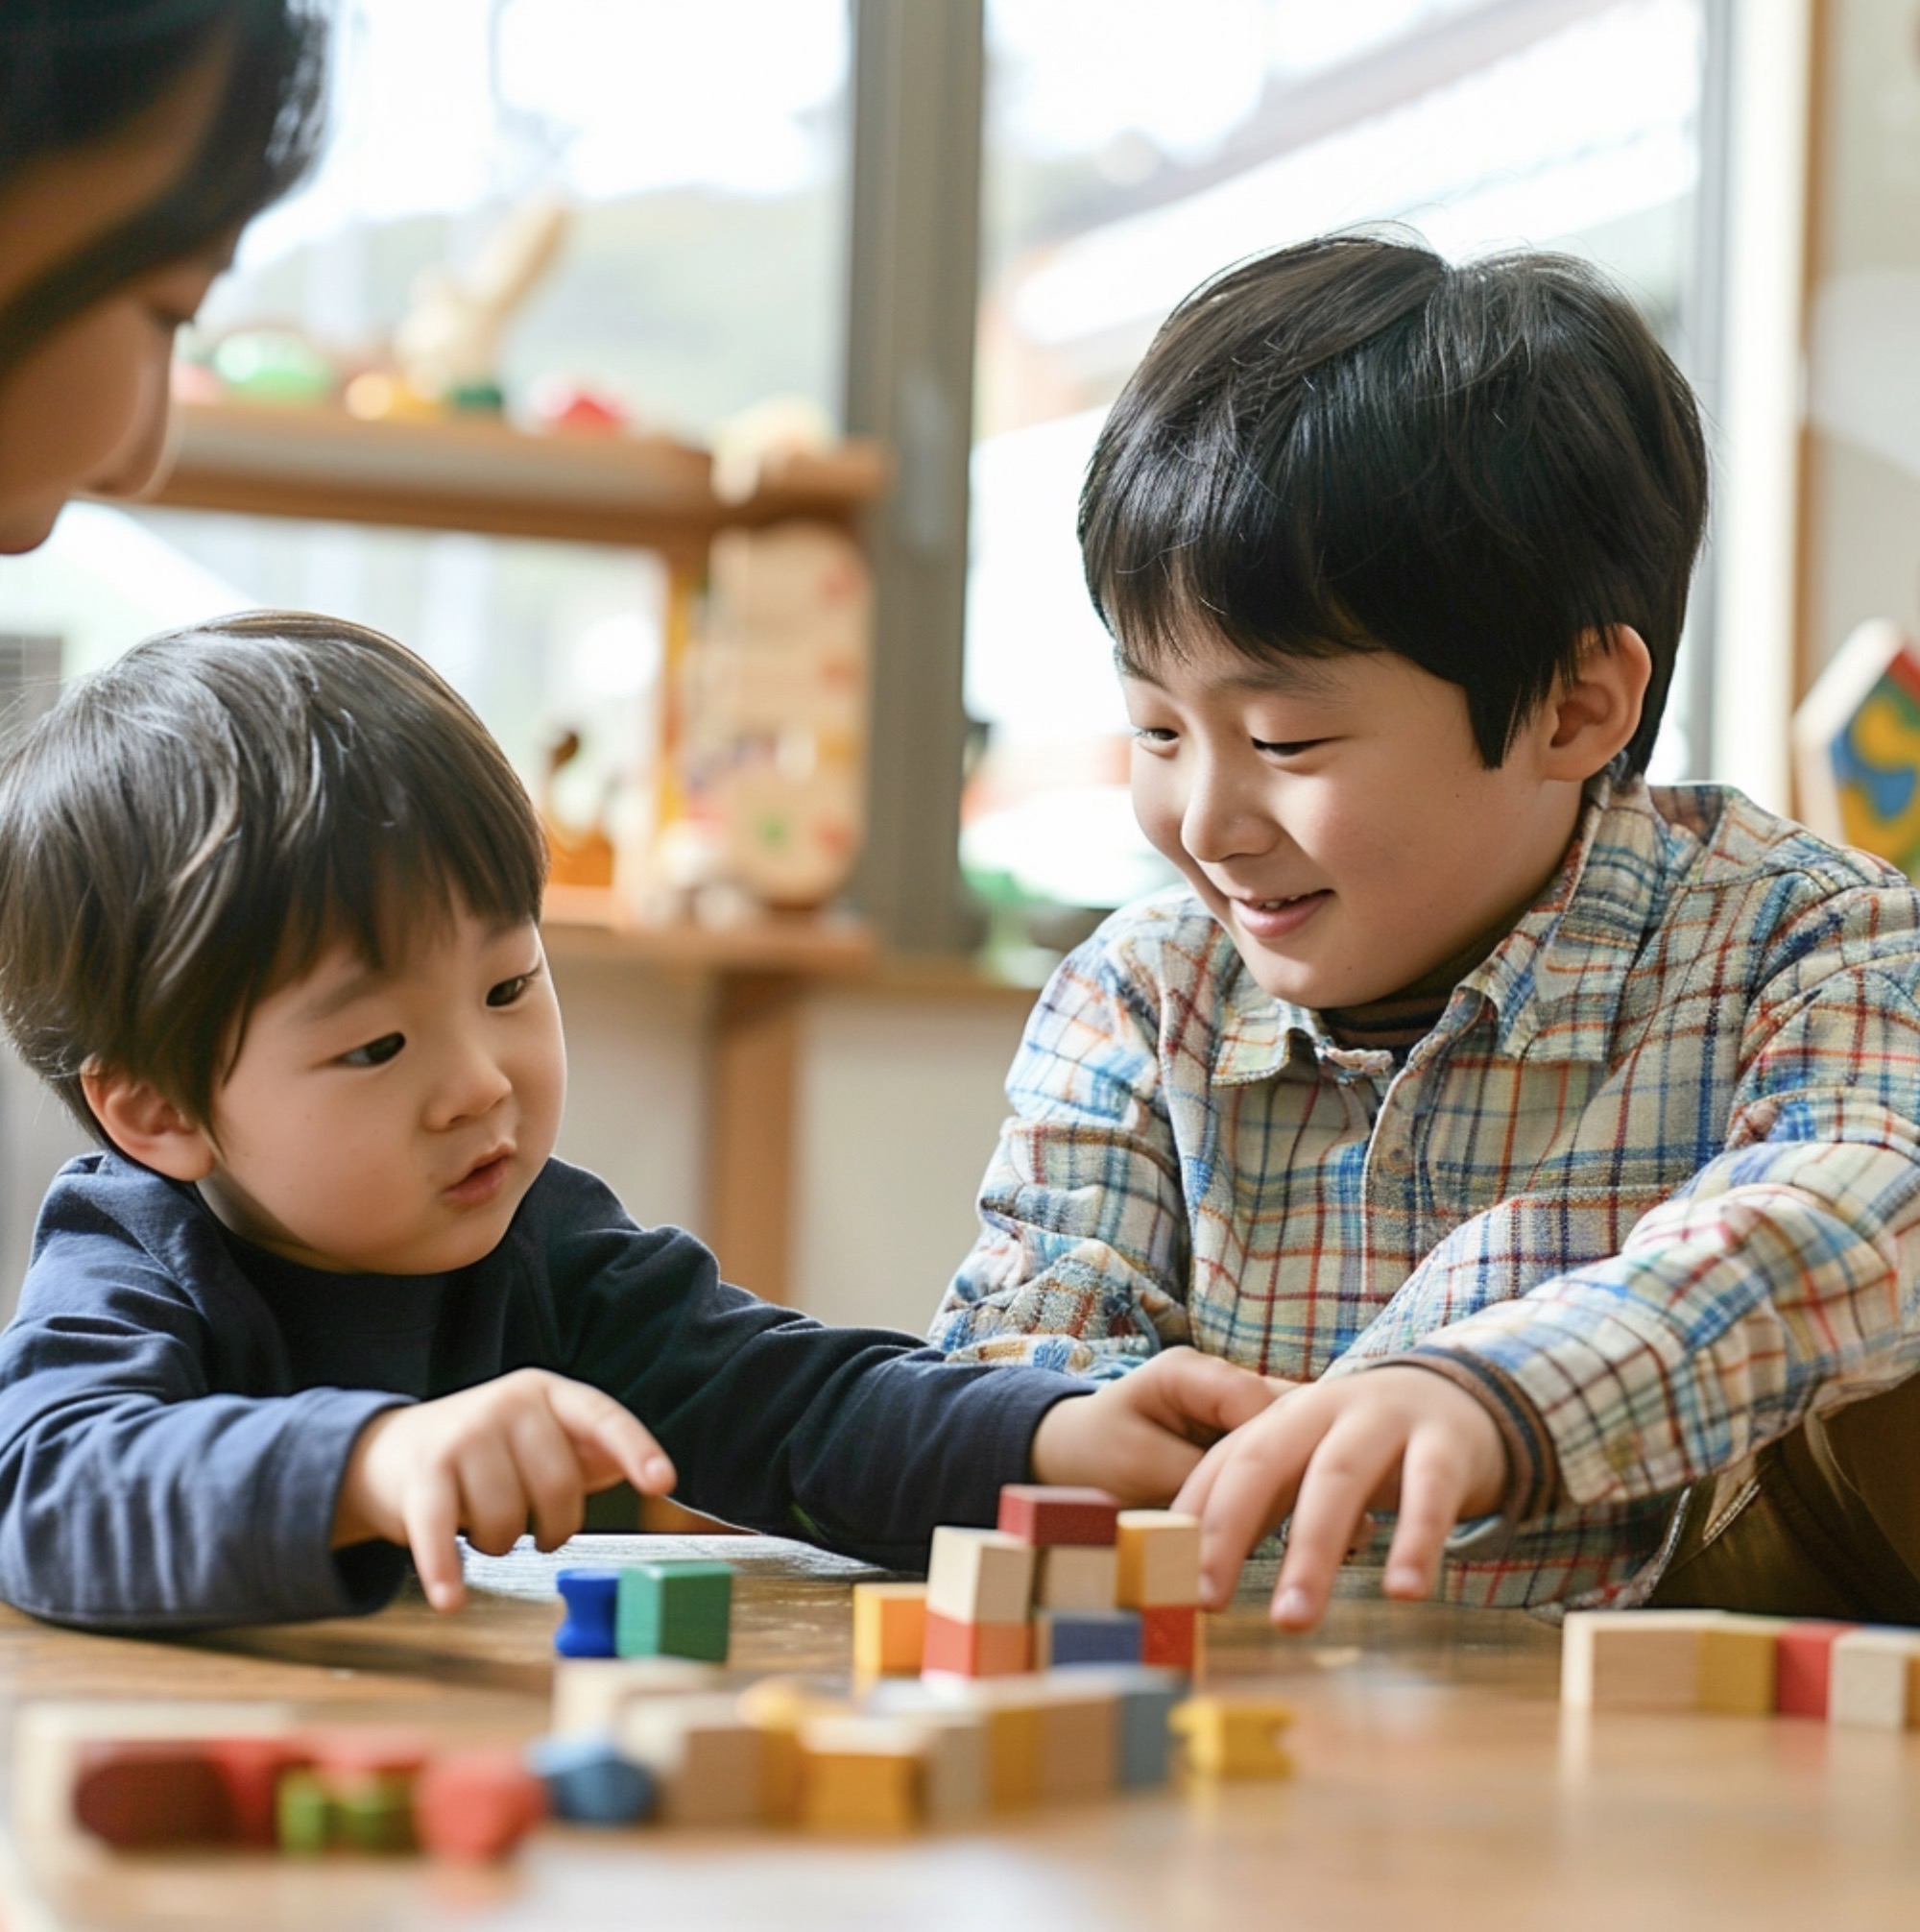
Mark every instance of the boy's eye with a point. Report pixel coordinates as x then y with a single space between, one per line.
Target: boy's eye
1286 747
1154 735
375 1053
508 990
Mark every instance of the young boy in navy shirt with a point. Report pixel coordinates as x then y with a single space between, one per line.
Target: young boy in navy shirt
1557 1134
269 903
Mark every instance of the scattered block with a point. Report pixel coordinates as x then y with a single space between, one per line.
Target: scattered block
1170 1637
971 1650
1066 1638
709 1762
1668 1660
1160 1560
588 1781
592 1598
777 1708
889 1628
860 1773
1076 1577
372 1813
1042 1515
1144 1701
477 1804
1872 1680
251 1769
1078 1743
138 1796
304 1812
590 1693
1234 1737
979 1577
1803 1664
954 1730
1015 1729
682 1610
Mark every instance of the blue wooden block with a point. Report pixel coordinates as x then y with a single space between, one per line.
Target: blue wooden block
1067 1638
592 1599
589 1782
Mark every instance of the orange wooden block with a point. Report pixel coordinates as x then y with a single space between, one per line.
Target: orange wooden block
976 1650
889 1628
1169 1636
477 1804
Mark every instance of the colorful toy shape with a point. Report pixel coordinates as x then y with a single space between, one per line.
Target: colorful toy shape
592 1599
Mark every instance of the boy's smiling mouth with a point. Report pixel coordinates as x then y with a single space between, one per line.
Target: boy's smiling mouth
1270 919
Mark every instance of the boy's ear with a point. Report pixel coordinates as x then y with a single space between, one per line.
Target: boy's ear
1596 710
146 1126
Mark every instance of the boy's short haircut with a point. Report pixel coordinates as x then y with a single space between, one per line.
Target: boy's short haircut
1350 445
194 826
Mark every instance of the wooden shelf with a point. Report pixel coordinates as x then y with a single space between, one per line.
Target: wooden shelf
580 923
482 474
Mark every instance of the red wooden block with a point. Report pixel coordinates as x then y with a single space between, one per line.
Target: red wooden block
476 1803
976 1650
143 1795
1803 1663
1168 1636
250 1768
1042 1515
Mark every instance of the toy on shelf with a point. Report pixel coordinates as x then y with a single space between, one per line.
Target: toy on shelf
750 448
558 402
1857 746
273 364
574 857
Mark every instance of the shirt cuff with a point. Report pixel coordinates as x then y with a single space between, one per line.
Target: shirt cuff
1533 1470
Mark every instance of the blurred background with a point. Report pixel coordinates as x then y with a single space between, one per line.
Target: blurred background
890 262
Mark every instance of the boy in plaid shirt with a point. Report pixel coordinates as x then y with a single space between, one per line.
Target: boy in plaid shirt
1554 1134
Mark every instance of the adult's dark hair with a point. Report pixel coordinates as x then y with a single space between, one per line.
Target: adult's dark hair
1350 445
199 822
75 72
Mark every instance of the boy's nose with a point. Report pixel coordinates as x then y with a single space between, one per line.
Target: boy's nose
473 1085
1223 818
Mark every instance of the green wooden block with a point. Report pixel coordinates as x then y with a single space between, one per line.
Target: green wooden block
674 1610
374 1814
304 1812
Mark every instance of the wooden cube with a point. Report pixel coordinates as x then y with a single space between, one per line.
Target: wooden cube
1015 1733
953 1723
1803 1666
1144 1701
976 1650
477 1804
1043 1515
1160 1560
680 1609
979 1577
1170 1637
1706 1661
709 1762
1233 1736
1079 1743
1065 1639
589 1780
889 1628
861 1773
777 1708
1076 1577
141 1797
590 1693
1872 1680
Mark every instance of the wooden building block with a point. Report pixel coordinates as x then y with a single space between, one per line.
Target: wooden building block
953 1723
1802 1662
1079 1733
1160 1560
1063 1639
971 1650
680 1609
1740 1664
861 1773
477 1804
373 1813
590 1693
589 1780
889 1628
1076 1577
708 1761
303 1814
592 1598
777 1708
1233 1736
251 1769
1047 1515
1706 1661
1170 1637
1015 1733
139 1796
979 1577
1144 1699
1872 1679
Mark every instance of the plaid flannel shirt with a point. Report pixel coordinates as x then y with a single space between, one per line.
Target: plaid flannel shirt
1652 1183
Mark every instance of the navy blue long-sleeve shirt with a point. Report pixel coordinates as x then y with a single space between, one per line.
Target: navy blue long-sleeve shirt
177 1407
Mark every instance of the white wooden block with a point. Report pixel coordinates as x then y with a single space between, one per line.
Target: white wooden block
1076 1577
590 1693
979 1575
1872 1676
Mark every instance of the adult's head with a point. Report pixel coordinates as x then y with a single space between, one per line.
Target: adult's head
136 139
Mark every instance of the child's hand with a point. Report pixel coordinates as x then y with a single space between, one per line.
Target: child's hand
527 1444
1141 1436
1387 1438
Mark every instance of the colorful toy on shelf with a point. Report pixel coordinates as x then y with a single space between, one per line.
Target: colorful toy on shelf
558 402
273 364
1857 746
574 857
750 448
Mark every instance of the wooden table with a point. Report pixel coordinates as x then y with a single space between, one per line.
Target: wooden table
1439 1785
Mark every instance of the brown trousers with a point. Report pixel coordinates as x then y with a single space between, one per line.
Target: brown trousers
1823 1523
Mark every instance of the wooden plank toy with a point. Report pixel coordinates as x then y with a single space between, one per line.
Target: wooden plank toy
709 1762
1874 1679
1160 1560
1066 1638
971 1650
979 1577
889 1628
1233 1736
1047 1515
861 1773
592 1599
589 1780
590 1693
477 1804
682 1610
1076 1577
1170 1637
1705 1661
1803 1667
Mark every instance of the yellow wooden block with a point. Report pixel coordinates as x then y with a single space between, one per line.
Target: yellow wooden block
860 1773
1159 1559
1233 1736
1738 1665
889 1628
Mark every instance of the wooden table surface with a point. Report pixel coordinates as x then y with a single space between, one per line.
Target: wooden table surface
1439 1785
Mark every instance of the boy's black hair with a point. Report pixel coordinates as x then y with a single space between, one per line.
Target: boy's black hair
196 824
75 72
1349 445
